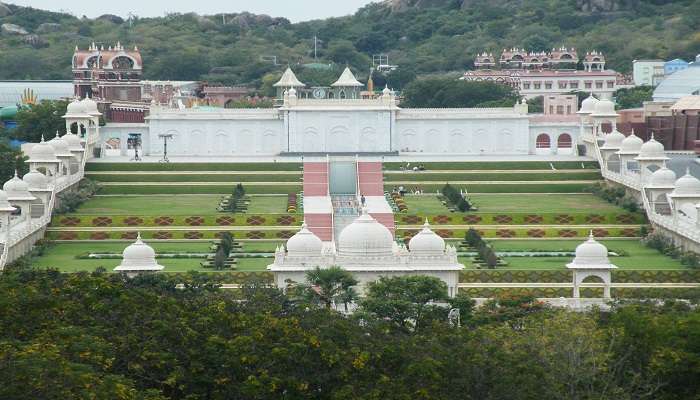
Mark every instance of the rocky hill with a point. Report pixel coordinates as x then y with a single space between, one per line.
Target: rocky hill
421 36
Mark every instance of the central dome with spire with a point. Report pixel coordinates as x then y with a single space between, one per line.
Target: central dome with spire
366 236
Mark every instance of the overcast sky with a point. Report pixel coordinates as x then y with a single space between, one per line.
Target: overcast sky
294 10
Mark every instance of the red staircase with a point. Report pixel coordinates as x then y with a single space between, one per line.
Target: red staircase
370 183
320 221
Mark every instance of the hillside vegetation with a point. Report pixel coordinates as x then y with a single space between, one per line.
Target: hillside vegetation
421 36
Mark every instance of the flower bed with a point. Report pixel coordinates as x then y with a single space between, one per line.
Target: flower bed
528 233
292 203
169 234
524 219
80 220
546 276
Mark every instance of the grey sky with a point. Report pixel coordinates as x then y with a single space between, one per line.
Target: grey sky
294 10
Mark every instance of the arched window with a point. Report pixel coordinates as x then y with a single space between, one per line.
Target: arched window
342 94
564 141
122 62
542 141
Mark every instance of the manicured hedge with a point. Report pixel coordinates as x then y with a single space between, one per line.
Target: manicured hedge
196 177
233 167
197 189
165 220
508 188
483 165
477 218
490 176
165 233
530 233
628 276
616 293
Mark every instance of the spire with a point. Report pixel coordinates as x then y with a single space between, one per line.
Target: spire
42 138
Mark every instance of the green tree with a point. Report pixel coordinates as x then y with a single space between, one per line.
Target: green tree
448 92
328 286
407 301
11 160
44 118
633 97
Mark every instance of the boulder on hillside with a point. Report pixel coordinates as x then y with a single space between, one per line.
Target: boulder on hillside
115 19
47 27
12 29
34 41
4 10
405 5
598 5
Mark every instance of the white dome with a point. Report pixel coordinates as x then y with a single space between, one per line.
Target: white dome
4 203
60 146
35 180
304 242
652 149
386 90
687 185
604 108
588 105
365 236
17 189
613 140
42 151
292 92
426 242
90 106
139 257
76 108
663 177
73 140
631 145
590 253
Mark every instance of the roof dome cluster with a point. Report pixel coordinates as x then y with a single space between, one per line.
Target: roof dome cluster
426 242
35 180
687 185
663 177
43 151
613 140
588 105
304 242
60 146
17 189
604 108
365 236
652 150
632 144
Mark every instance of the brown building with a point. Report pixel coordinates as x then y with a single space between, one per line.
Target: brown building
112 77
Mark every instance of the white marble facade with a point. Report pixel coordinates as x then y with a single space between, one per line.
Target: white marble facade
337 126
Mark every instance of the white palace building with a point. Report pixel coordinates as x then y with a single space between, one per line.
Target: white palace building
344 123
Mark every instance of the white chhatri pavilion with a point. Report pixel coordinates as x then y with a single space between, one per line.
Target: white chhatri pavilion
367 249
138 258
591 260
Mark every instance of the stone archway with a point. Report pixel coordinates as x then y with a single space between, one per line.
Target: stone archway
543 144
564 144
603 276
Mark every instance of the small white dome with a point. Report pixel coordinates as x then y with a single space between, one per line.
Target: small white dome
687 185
365 236
35 180
304 242
632 144
652 149
590 253
4 203
426 242
663 177
76 108
139 257
292 92
17 189
386 90
588 105
604 108
73 140
613 140
90 106
42 151
60 146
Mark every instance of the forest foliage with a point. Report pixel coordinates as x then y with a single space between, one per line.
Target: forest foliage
237 48
104 336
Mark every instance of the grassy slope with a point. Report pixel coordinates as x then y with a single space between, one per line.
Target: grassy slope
536 203
174 205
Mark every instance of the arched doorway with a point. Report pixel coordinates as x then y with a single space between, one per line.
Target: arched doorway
564 144
542 144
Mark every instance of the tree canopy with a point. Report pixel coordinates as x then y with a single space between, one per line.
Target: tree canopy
105 336
447 92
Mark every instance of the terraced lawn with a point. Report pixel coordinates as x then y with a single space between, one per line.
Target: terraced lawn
633 255
175 205
505 203
63 257
151 205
